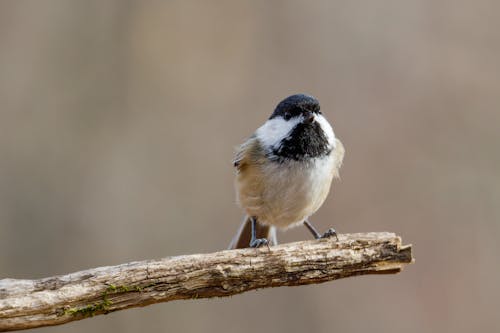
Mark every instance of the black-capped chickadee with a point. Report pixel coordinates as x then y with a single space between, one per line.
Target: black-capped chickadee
284 171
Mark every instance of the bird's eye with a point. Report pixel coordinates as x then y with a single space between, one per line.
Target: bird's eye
287 116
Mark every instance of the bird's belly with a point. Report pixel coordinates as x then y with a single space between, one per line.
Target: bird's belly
291 194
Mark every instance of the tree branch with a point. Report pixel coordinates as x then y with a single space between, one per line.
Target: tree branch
61 299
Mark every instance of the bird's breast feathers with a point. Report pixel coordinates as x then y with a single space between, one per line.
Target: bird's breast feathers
283 193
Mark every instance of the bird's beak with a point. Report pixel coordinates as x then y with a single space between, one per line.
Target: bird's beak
308 118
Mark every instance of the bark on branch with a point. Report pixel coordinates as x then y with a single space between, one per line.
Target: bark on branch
61 299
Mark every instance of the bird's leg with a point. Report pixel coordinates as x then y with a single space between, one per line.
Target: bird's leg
329 233
256 242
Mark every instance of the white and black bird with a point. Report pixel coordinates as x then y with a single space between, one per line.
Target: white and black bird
284 171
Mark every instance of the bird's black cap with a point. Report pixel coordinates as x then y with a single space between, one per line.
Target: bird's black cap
295 105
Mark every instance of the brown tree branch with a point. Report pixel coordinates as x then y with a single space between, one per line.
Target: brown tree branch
61 299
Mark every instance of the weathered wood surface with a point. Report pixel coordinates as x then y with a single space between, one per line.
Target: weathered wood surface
61 299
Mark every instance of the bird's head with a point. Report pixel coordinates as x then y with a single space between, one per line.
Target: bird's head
296 130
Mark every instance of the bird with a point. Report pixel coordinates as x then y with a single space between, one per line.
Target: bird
284 172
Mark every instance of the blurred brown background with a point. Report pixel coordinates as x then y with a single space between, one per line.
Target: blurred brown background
118 121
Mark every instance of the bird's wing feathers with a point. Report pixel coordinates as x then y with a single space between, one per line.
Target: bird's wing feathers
239 157
338 153
244 152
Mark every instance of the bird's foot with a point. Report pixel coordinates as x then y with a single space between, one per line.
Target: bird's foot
330 233
258 242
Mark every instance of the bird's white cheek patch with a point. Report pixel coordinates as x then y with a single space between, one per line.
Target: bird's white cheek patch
274 130
327 129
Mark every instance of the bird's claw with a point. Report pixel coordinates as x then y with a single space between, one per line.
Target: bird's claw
330 233
258 242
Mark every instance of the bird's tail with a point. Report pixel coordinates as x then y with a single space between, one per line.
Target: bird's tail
244 235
